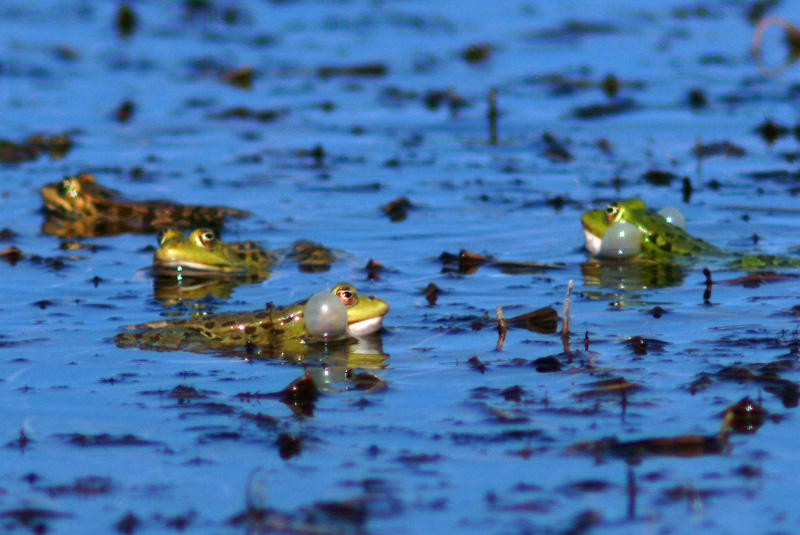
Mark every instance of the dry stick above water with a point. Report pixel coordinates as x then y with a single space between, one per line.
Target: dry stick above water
565 321
493 114
502 329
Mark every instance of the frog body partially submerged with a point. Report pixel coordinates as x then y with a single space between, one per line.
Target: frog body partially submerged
79 206
665 242
200 253
272 331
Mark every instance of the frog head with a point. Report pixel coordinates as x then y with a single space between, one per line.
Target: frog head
199 252
75 196
364 312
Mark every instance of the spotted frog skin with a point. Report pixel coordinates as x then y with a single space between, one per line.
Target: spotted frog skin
663 241
201 253
272 331
79 206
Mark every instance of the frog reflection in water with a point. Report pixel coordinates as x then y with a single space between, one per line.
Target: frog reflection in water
271 331
663 241
79 206
201 253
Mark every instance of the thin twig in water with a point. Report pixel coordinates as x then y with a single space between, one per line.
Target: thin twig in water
502 329
709 285
493 114
565 321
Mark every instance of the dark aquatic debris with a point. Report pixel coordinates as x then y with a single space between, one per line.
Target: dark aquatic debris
82 486
21 442
345 517
266 115
556 151
126 20
765 375
770 131
398 209
564 84
596 111
32 147
697 99
467 262
432 293
365 70
754 280
186 392
300 395
547 364
641 345
125 111
289 445
573 29
617 386
33 518
374 269
634 451
476 364
106 439
541 320
436 98
12 255
493 114
508 435
128 523
477 53
241 77
659 177
718 148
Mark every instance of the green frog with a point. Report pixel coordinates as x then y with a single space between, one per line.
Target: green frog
272 331
663 241
200 253
79 206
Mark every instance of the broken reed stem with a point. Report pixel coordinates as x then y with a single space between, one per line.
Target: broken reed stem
493 114
709 285
565 321
502 329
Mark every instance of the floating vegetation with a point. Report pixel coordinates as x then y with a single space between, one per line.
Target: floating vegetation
467 263
366 70
597 111
243 112
398 209
634 451
106 439
34 146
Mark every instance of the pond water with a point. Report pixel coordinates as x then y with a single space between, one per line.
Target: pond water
353 105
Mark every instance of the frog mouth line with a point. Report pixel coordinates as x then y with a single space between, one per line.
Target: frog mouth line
365 327
189 268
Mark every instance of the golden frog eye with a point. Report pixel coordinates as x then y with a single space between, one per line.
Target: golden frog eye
612 213
348 298
207 238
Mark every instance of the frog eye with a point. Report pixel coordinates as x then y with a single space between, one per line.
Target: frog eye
612 213
162 236
207 238
348 298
